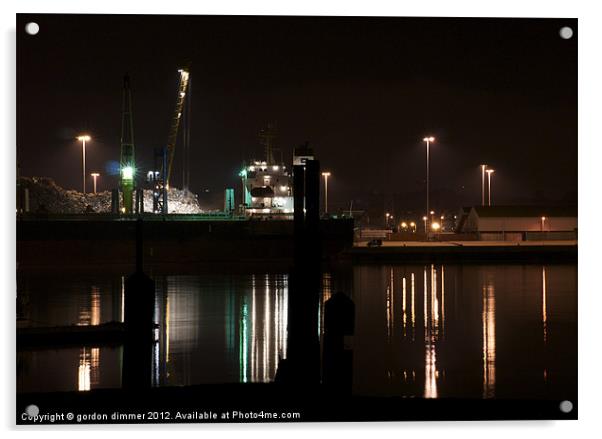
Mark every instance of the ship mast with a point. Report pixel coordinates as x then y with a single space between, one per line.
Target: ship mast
266 137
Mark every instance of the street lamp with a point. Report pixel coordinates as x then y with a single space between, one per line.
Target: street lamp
425 219
94 176
325 175
489 172
543 223
483 167
413 226
84 138
387 215
428 141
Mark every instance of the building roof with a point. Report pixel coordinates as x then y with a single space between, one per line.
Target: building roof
525 211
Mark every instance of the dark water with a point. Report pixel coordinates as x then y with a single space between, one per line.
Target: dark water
431 331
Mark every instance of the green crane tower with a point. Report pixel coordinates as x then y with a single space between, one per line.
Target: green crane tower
127 163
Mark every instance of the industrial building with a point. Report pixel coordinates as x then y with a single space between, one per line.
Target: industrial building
519 223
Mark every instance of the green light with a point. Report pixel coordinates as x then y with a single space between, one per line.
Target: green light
127 173
243 173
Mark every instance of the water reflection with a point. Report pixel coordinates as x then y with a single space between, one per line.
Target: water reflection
544 306
220 329
88 369
89 358
431 334
232 328
488 319
456 349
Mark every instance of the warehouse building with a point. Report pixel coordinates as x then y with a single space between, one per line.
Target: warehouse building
519 223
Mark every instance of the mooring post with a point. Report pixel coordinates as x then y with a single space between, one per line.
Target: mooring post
302 366
139 322
339 327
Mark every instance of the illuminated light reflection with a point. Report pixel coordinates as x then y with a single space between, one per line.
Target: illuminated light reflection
442 300
167 319
122 299
413 307
431 373
544 306
403 304
89 358
425 301
243 345
488 320
87 371
266 339
253 332
266 332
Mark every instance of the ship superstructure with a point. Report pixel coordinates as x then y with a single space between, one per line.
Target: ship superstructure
267 184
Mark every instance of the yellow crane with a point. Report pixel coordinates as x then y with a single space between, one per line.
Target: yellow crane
162 178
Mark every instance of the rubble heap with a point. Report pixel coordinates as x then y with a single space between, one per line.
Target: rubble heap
45 196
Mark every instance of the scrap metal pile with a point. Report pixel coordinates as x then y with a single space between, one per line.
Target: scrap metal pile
45 196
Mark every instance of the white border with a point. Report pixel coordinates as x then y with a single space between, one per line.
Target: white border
590 218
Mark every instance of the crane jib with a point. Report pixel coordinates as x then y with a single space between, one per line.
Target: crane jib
175 122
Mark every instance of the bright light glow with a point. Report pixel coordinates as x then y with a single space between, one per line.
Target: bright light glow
182 94
127 173
435 226
543 218
424 218
413 224
84 138
404 225
266 210
95 174
326 174
428 139
275 168
490 171
251 168
432 212
283 188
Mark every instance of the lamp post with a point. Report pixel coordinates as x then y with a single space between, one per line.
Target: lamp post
489 172
413 226
94 176
326 175
425 219
543 223
387 215
428 141
483 167
84 138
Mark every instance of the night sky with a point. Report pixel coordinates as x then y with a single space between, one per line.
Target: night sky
362 91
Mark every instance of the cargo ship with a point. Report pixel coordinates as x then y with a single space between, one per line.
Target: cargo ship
267 184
